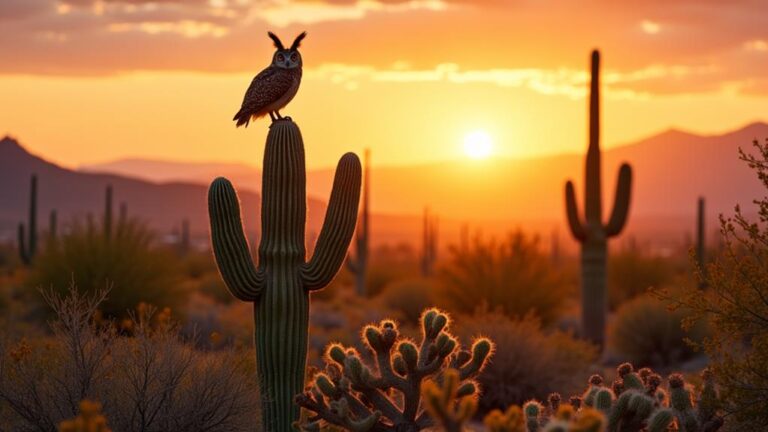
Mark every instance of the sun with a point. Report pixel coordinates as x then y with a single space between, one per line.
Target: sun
478 144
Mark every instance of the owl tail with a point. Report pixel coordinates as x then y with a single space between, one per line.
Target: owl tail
242 118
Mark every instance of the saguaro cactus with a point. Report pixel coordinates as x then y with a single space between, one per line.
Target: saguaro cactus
429 243
359 265
28 247
701 243
592 232
107 222
280 284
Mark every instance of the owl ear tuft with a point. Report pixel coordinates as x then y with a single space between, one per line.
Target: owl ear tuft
276 40
298 40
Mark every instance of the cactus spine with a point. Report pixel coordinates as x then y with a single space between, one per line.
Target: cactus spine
429 243
591 232
28 247
359 265
279 285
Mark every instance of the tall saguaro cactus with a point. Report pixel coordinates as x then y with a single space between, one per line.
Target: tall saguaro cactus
429 243
280 284
591 231
28 247
359 264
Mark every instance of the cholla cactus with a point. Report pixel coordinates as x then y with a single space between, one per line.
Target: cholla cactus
641 404
450 404
387 396
90 419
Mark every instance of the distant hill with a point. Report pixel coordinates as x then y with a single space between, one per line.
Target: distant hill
76 194
671 170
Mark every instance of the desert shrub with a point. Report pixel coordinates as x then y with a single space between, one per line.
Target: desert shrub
512 275
645 332
408 297
736 307
151 381
528 363
631 274
125 261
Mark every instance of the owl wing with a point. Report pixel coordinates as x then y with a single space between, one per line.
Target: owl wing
267 87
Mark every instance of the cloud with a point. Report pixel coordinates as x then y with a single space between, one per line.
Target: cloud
571 83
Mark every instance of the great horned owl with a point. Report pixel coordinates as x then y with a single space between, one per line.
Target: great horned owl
275 86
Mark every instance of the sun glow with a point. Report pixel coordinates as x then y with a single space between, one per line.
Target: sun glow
478 144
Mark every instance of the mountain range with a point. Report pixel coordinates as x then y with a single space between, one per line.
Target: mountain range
75 194
671 170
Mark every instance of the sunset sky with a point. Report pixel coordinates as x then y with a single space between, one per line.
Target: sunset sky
85 81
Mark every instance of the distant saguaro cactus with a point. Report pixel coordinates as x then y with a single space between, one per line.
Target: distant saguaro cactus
53 226
279 285
359 265
429 243
592 232
28 247
107 222
701 243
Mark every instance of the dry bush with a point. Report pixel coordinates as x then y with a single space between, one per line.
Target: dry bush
646 333
631 274
735 305
409 297
512 275
151 381
528 363
126 261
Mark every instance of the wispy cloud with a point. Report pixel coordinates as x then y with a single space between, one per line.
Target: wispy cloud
566 82
282 13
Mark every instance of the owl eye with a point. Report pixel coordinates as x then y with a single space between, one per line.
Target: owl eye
280 57
294 57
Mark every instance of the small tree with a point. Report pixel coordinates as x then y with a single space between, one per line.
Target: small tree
736 306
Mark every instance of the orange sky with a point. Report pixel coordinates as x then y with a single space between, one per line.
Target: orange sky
91 80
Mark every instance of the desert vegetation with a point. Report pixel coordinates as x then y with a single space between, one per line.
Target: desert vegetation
106 326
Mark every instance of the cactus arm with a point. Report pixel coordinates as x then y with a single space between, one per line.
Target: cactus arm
230 246
572 211
338 227
621 203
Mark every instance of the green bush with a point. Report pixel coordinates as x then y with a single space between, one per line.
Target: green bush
630 274
125 261
512 275
408 297
528 363
645 332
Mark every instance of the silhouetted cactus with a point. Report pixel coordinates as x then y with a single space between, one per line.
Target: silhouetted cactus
107 221
359 264
279 285
591 231
27 237
53 226
701 243
429 243
386 396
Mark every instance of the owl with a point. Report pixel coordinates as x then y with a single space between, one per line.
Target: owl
275 86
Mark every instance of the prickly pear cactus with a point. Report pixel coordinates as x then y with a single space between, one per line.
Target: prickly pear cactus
280 284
